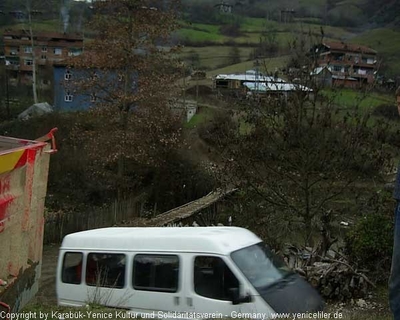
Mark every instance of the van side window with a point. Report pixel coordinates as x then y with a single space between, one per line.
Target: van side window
213 279
156 272
105 270
72 268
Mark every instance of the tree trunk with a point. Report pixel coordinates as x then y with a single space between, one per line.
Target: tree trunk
34 89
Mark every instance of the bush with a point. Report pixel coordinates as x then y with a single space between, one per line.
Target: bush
215 131
370 242
387 111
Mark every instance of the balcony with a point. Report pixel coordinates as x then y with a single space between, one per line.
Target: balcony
14 67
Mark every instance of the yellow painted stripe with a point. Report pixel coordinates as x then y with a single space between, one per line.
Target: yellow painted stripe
9 160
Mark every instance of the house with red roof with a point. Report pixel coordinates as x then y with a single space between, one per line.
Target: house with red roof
352 65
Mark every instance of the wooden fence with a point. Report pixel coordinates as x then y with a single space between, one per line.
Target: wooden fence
203 211
60 224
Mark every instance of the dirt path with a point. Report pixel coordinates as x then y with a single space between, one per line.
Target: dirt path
47 283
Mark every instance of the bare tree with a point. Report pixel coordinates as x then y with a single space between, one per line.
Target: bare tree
31 10
129 73
294 155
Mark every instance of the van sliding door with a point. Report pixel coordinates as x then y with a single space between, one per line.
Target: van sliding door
156 282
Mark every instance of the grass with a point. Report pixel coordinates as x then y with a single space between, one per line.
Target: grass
251 29
385 41
268 66
348 98
45 25
257 25
201 36
212 57
211 28
205 114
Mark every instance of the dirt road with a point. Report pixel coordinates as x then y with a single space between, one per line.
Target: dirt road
47 284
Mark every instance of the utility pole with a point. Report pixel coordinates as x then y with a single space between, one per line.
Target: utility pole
184 86
197 88
257 65
34 75
7 94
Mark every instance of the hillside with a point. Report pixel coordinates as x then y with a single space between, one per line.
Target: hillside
210 37
345 13
252 24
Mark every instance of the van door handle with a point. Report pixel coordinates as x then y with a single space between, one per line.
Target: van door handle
189 302
176 300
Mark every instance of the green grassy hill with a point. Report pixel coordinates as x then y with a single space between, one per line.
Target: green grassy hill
387 42
214 45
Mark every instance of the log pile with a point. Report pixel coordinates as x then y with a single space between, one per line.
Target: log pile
332 275
336 280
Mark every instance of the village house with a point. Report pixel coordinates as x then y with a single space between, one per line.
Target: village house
66 96
224 7
322 77
235 81
351 65
47 49
253 84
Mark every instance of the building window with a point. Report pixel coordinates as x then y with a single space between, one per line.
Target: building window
72 268
14 51
67 75
74 52
156 272
12 63
28 62
337 68
213 278
68 97
58 51
43 57
105 270
28 49
44 49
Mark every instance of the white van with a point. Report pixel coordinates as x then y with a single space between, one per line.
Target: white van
202 271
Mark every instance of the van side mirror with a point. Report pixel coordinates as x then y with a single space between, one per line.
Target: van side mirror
237 299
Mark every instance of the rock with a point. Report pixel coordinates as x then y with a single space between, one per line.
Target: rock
361 303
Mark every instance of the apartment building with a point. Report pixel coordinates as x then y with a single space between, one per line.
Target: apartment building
351 65
47 48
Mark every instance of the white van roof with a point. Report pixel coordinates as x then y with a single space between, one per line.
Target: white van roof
220 240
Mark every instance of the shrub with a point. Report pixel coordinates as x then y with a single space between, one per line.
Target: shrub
370 242
387 111
215 131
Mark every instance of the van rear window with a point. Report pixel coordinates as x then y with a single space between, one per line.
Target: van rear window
105 270
156 272
72 268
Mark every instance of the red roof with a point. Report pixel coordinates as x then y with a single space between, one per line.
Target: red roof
348 47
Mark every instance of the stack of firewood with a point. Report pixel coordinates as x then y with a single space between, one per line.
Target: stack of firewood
337 280
332 275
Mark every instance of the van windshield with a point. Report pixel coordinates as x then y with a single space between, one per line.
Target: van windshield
260 265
